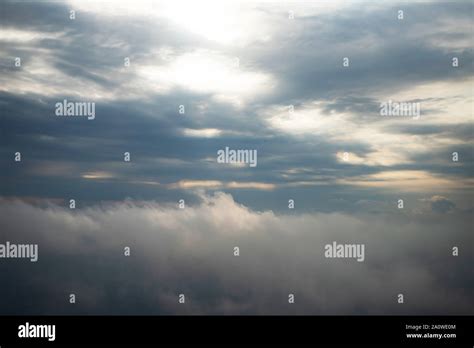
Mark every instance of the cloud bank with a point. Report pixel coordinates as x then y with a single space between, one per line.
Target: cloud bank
190 251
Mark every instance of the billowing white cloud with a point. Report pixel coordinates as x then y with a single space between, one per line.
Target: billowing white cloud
190 251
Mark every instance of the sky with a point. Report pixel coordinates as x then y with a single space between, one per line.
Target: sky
268 77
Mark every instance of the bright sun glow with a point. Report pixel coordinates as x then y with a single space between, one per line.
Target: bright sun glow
225 22
214 20
207 71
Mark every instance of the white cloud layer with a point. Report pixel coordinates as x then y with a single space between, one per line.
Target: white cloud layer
190 251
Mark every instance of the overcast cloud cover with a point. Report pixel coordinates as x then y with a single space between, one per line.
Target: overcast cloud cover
184 53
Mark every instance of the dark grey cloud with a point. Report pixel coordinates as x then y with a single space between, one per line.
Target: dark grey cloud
386 54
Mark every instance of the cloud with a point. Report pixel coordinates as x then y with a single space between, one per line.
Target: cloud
190 251
440 204
410 180
188 56
205 71
202 133
383 141
97 175
215 184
